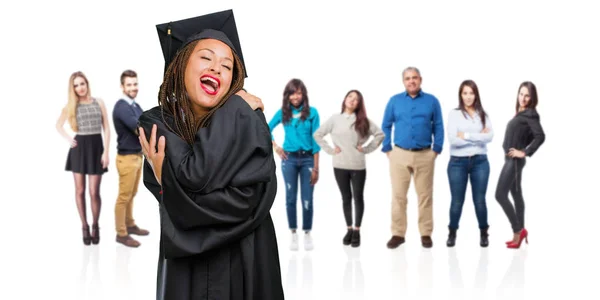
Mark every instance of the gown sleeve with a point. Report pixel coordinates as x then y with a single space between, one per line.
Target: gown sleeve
218 189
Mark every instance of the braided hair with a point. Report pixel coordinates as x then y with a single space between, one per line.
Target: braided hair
174 100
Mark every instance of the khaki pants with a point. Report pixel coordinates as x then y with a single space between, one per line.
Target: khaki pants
130 171
404 164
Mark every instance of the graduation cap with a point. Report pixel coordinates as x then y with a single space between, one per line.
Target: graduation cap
219 25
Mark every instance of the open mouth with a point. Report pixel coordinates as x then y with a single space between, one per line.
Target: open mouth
210 84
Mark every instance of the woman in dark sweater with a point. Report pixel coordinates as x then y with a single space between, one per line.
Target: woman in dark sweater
523 136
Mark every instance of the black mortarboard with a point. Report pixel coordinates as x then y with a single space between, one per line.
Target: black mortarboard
220 26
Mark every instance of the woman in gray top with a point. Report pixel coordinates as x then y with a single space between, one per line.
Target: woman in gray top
349 131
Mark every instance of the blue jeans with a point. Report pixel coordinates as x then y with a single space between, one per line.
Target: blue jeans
298 166
460 170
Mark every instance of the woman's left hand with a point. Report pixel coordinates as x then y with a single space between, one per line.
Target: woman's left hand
104 160
314 177
512 152
252 100
360 148
155 158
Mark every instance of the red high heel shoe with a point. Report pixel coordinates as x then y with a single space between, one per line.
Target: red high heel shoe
522 236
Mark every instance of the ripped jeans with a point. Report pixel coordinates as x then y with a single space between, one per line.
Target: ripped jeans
298 166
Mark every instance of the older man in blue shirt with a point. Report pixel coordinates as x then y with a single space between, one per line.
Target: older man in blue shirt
418 138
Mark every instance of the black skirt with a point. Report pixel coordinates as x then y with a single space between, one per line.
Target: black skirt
86 157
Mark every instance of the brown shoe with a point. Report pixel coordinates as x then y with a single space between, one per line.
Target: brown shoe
137 231
395 241
426 241
128 241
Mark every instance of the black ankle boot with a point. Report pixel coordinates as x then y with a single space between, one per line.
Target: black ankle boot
95 234
87 238
355 238
348 237
451 238
484 238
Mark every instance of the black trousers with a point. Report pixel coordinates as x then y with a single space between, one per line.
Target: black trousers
352 183
510 181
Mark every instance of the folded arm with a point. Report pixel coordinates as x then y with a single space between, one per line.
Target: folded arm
150 182
235 136
481 137
194 223
203 209
126 116
452 130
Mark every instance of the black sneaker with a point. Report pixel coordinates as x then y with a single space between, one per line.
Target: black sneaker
348 237
355 241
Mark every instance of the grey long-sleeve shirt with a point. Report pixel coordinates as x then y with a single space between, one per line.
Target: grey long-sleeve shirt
341 129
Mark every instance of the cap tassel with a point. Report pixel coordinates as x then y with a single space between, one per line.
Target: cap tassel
170 39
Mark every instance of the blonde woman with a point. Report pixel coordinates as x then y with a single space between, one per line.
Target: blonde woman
88 154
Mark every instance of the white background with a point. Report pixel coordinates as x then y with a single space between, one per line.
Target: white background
333 48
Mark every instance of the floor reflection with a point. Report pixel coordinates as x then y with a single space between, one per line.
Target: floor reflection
293 289
457 285
425 274
123 280
89 280
354 280
513 284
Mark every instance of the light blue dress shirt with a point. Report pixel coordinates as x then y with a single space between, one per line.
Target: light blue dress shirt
475 142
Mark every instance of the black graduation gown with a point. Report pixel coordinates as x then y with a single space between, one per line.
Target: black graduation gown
217 236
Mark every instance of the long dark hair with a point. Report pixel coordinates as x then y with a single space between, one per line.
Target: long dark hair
173 97
361 125
476 103
290 88
533 96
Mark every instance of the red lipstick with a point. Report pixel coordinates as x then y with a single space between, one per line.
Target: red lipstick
210 84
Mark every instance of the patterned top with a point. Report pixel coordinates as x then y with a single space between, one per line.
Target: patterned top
89 118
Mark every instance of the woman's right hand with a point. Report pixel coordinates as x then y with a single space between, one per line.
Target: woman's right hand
337 150
73 143
252 100
154 158
280 152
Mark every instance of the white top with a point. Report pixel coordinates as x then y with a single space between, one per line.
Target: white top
474 142
343 135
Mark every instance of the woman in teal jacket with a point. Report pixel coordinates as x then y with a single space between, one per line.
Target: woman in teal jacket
299 156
